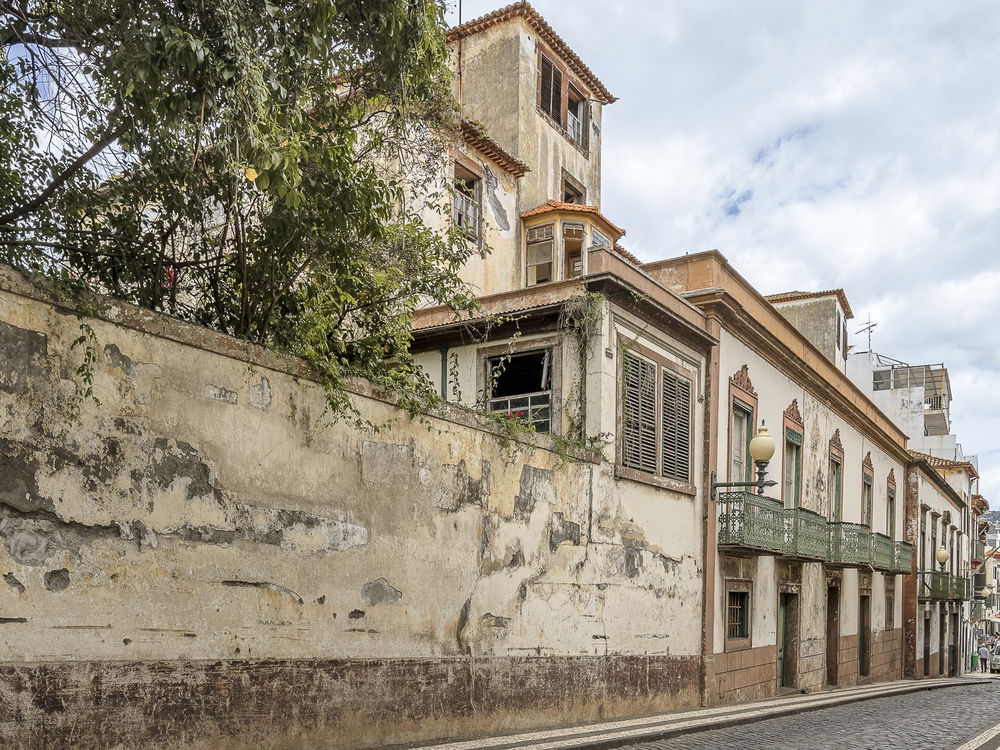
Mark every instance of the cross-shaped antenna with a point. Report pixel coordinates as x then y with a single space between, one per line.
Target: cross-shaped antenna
868 328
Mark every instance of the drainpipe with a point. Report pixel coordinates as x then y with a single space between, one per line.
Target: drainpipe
444 372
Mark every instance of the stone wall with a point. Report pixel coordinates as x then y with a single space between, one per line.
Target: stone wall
206 557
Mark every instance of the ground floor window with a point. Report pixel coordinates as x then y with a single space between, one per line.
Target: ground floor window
737 615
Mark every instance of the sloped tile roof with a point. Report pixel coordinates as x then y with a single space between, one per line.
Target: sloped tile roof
475 135
798 295
545 33
945 463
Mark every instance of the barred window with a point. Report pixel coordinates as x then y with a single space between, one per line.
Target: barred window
656 419
738 615
890 611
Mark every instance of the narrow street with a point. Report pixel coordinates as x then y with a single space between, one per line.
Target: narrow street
931 720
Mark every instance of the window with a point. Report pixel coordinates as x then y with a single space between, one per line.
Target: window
738 615
576 117
740 433
467 202
599 240
934 540
866 502
890 610
882 380
539 256
551 93
572 191
573 248
655 419
890 514
792 468
520 385
835 488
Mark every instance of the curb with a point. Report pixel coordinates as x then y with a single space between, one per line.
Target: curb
728 722
594 737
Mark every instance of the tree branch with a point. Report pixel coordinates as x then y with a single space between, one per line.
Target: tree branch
107 138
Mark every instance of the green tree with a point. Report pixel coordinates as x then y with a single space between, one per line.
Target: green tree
250 165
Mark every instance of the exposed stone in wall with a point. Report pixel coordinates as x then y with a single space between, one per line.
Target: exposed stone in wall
207 511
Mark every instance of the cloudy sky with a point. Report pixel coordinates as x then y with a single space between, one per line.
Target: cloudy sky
818 145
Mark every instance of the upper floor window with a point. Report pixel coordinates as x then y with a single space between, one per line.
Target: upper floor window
467 202
741 432
520 386
576 117
539 257
573 248
792 468
867 491
551 93
835 488
655 419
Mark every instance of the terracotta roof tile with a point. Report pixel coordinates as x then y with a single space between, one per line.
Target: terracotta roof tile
475 135
545 33
797 295
580 208
945 463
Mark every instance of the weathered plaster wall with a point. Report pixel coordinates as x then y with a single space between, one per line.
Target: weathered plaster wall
205 557
819 320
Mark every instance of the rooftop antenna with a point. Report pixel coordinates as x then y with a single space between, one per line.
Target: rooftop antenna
868 328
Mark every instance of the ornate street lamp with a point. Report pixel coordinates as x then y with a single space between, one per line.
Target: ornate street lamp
942 557
761 451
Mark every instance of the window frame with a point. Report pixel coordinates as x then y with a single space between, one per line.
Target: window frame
744 641
662 366
554 253
795 438
462 163
741 396
525 346
567 81
867 493
835 510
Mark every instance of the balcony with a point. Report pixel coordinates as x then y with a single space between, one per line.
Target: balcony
902 557
882 552
805 534
751 523
934 584
849 544
977 611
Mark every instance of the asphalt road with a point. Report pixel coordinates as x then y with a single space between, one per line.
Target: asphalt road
928 720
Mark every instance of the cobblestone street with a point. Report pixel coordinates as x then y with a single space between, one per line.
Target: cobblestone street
930 720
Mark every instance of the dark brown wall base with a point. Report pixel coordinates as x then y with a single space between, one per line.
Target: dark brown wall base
847 671
330 703
739 676
887 653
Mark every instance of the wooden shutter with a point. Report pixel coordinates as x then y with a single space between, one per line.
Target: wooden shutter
638 414
676 427
551 90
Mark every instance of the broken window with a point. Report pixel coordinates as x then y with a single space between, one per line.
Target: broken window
599 240
551 94
467 202
520 386
539 256
576 117
573 248
572 192
882 380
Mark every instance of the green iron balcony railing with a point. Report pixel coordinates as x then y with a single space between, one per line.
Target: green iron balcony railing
961 588
979 551
882 552
935 584
805 534
977 610
902 557
849 544
751 522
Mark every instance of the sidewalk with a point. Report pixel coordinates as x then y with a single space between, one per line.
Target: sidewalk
617 733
